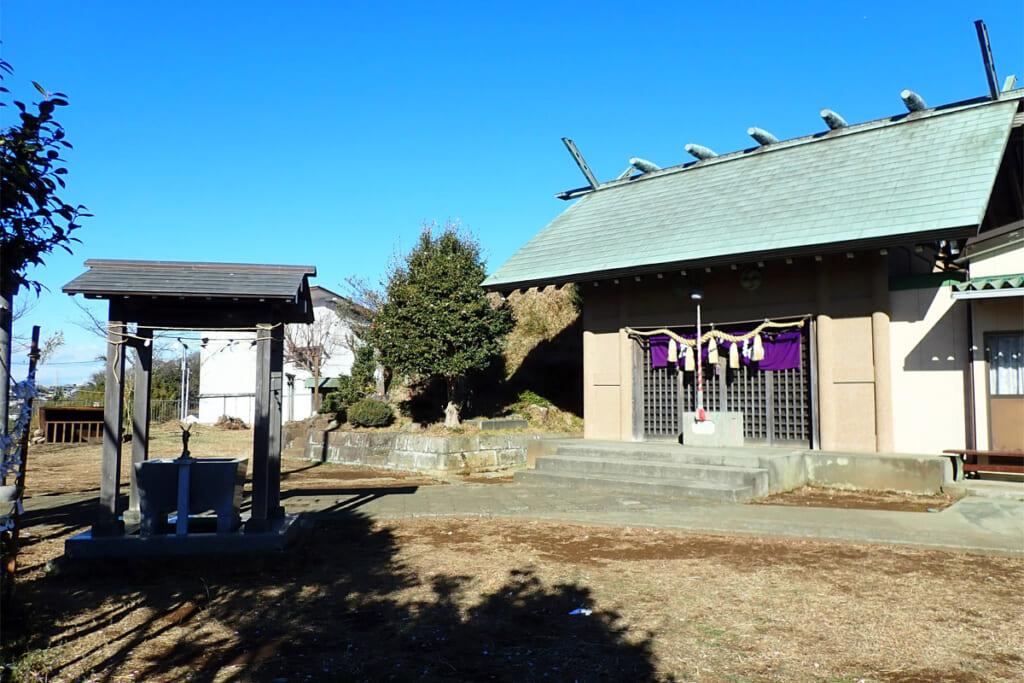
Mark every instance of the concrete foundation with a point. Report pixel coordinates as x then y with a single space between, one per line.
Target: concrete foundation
281 534
924 474
719 429
498 424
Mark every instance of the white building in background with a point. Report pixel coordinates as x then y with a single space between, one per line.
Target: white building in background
227 384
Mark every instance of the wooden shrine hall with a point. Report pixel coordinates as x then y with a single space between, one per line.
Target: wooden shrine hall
145 296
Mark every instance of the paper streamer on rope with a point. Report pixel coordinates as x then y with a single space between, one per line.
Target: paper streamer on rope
673 351
758 353
688 364
716 334
734 356
712 351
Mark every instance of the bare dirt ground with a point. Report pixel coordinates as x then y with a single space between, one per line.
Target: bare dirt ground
824 497
467 599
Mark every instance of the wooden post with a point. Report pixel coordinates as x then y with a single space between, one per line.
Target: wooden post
107 522
826 358
261 432
140 417
880 351
274 508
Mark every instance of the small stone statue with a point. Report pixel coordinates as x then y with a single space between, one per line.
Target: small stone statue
185 434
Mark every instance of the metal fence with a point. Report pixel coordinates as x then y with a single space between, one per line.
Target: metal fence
160 411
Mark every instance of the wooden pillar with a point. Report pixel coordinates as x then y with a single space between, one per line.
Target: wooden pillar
107 522
261 431
140 415
274 508
880 350
826 358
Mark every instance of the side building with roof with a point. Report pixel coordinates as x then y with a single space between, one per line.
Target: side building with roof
227 384
862 285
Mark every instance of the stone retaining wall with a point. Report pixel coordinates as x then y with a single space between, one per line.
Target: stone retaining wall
485 452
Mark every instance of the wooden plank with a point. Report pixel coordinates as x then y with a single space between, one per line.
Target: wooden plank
974 452
1013 469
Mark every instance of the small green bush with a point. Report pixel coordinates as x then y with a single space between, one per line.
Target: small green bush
371 413
528 398
331 403
342 398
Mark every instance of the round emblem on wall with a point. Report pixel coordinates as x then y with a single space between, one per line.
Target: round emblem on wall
751 278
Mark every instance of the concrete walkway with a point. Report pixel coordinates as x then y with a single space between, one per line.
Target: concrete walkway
978 525
973 524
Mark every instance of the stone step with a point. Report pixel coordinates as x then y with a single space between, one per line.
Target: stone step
662 470
670 452
704 490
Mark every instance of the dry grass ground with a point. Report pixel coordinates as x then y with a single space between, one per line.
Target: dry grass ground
468 599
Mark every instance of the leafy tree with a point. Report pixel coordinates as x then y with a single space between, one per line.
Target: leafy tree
35 220
437 320
364 366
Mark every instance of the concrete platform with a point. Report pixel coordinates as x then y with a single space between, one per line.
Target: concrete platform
987 488
282 533
976 525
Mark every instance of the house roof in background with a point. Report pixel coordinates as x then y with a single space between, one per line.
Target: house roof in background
992 242
107 279
921 175
342 304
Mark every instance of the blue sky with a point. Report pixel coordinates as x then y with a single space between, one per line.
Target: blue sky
326 133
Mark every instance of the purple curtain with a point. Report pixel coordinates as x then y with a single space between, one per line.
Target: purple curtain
782 352
659 351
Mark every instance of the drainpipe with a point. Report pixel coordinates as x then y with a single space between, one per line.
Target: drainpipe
970 416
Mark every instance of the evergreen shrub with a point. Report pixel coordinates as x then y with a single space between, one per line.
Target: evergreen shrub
342 398
371 413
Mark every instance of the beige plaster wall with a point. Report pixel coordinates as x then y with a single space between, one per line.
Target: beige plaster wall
853 391
787 290
928 334
603 387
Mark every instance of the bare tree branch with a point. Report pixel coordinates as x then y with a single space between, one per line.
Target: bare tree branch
310 347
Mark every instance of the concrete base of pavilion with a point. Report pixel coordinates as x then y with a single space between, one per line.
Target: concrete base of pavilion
281 534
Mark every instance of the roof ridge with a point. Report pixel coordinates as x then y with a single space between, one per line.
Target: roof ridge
201 265
822 136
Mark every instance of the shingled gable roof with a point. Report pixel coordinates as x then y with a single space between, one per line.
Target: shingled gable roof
199 294
924 175
115 278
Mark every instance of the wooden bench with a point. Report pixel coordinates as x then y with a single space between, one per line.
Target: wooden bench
1000 468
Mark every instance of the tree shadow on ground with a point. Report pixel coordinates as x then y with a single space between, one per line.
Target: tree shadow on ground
341 606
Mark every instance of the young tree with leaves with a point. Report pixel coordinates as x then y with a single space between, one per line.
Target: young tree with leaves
436 320
35 220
